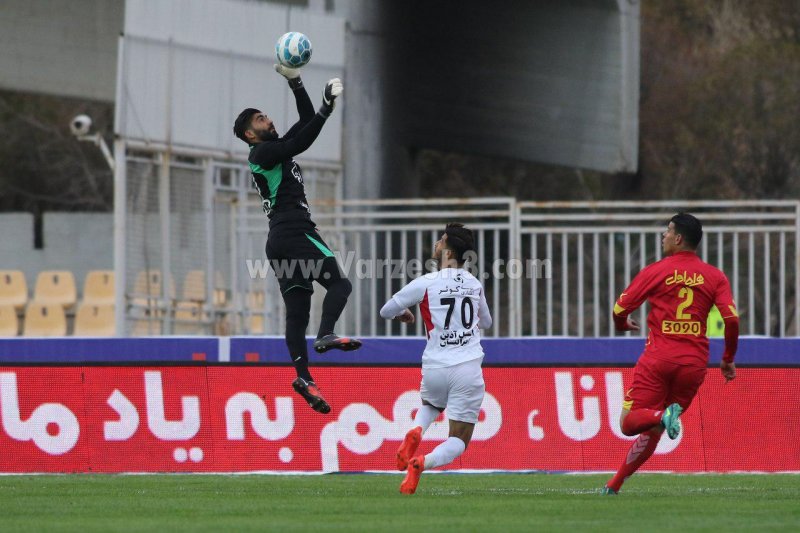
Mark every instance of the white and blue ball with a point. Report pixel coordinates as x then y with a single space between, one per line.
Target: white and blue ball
293 49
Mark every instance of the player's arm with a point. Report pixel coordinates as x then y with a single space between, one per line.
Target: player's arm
304 106
392 310
631 299
269 153
484 315
723 299
408 296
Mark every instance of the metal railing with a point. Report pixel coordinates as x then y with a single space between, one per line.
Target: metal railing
599 246
549 268
381 245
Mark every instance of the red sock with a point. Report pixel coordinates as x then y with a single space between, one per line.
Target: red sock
640 420
640 451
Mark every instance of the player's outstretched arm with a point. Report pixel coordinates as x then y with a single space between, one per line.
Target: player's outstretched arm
304 106
333 89
268 154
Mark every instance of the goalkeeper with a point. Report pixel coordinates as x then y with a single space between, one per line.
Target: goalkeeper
293 238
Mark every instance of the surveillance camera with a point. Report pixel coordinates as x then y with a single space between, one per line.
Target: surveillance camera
80 125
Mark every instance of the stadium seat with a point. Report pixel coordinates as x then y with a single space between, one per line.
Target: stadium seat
94 321
254 301
98 287
9 325
148 283
13 288
45 320
194 288
146 328
146 295
190 319
56 287
256 325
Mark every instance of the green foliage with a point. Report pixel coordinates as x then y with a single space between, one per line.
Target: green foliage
720 93
720 97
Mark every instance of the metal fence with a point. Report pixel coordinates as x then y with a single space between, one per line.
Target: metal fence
549 268
555 268
177 226
597 247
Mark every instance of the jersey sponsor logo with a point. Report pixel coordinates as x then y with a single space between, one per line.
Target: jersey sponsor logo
681 327
463 291
454 338
296 172
690 281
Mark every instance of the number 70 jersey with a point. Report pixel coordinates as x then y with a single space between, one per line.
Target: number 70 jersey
453 307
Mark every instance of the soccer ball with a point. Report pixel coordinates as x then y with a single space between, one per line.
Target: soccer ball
293 49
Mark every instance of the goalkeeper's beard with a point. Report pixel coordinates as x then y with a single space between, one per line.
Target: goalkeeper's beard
267 135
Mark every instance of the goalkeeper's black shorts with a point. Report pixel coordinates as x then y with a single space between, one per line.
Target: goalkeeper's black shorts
296 253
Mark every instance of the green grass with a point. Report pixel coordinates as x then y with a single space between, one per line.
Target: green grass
458 502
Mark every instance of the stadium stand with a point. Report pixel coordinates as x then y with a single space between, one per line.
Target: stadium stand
45 320
56 287
94 320
13 289
9 324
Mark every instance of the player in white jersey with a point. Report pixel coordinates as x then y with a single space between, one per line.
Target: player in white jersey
453 306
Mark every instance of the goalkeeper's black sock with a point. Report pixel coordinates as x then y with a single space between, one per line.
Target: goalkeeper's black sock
298 306
301 367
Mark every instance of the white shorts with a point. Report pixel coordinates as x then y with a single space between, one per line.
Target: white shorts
458 388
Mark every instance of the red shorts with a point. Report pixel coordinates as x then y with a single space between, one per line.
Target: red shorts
658 383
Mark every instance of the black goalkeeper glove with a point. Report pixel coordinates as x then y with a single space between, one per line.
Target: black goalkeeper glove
332 90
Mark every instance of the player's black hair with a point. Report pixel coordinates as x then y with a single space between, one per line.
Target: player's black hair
242 123
688 227
460 240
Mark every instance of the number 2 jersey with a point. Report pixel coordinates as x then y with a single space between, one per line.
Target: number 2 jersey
681 290
453 307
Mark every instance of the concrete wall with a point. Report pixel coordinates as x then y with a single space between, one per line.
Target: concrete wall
554 81
61 48
78 242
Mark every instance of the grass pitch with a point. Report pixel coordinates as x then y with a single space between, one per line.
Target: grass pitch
449 502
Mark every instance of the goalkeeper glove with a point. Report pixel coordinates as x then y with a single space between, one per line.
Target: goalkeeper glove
332 90
292 75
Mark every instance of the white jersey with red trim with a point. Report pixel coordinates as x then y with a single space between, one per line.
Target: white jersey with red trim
452 303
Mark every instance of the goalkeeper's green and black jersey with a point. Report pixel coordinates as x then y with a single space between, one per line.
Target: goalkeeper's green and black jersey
276 175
